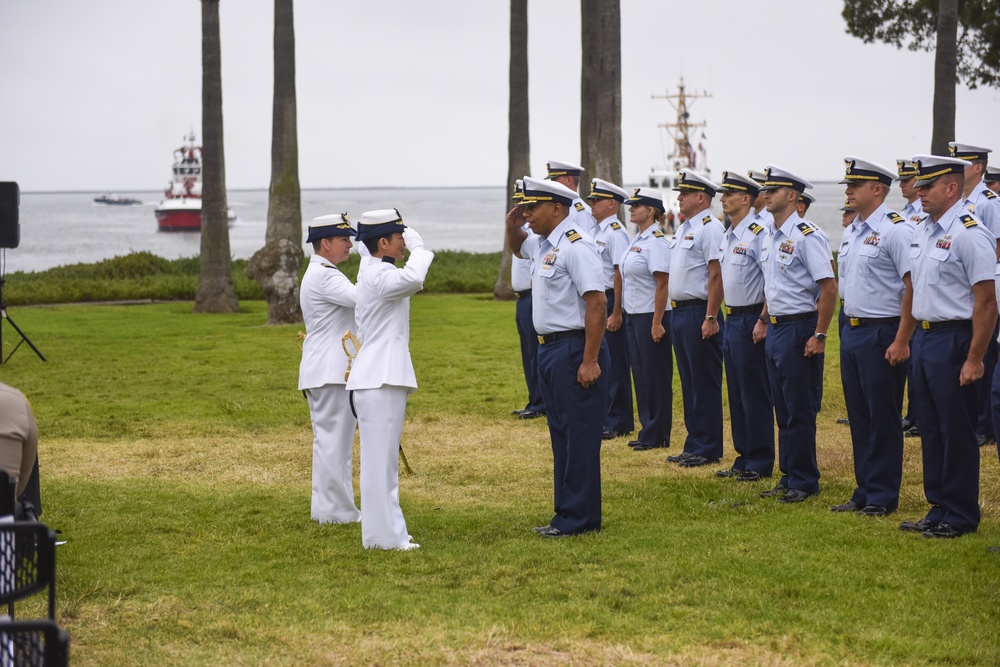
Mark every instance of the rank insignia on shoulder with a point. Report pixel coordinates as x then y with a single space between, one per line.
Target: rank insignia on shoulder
658 234
990 194
968 220
579 206
616 225
896 218
806 228
707 219
329 266
755 228
573 236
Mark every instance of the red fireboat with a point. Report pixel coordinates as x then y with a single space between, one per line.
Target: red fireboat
181 210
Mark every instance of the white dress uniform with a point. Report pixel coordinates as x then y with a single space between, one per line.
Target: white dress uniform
381 380
327 300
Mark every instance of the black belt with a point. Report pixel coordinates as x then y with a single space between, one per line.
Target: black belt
521 295
947 324
688 303
560 335
871 321
782 319
739 310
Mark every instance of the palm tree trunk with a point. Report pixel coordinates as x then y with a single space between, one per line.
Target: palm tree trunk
215 280
945 63
518 138
275 267
601 91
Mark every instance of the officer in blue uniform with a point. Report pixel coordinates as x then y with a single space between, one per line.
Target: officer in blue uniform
800 296
992 179
569 174
612 241
760 213
520 282
875 341
952 261
751 408
696 325
911 211
569 310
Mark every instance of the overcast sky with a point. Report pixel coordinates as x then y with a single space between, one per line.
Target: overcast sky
96 94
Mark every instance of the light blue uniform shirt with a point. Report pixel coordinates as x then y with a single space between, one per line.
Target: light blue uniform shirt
794 259
697 242
764 219
874 257
742 278
581 216
612 241
647 253
566 266
985 205
520 270
946 259
913 211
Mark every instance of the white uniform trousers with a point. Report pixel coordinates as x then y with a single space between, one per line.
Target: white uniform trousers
380 419
333 442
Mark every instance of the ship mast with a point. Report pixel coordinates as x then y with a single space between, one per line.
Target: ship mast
684 155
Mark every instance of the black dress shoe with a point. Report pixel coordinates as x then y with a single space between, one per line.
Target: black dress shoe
875 510
917 526
530 414
908 423
984 440
945 530
696 462
795 496
845 421
553 532
751 476
849 506
643 446
611 434
778 490
542 529
912 432
634 443
677 458
517 412
731 472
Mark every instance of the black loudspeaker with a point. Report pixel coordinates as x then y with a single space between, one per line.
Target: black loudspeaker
10 229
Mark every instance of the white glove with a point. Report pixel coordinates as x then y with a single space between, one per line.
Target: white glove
412 239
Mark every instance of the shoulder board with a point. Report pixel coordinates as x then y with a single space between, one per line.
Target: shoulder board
658 234
616 225
707 219
805 228
755 228
990 194
895 217
968 220
573 236
579 206
329 266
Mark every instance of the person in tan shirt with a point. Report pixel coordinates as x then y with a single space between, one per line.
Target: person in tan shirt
18 436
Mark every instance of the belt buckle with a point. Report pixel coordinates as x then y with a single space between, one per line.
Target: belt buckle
729 310
855 321
673 304
774 320
924 324
541 340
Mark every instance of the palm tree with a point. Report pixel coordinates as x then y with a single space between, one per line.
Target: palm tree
945 77
601 90
518 140
275 267
215 279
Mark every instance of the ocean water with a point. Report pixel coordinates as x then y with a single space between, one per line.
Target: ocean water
68 228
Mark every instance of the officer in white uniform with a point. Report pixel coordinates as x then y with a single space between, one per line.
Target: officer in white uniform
570 314
696 323
383 376
520 282
751 407
952 262
569 174
800 296
875 340
612 241
327 300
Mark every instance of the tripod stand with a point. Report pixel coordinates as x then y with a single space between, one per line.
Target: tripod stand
24 338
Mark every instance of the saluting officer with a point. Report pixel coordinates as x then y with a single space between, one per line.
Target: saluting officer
383 376
696 323
569 174
570 313
800 296
875 341
327 298
952 263
751 408
520 282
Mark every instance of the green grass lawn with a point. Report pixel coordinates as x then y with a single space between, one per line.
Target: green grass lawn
176 458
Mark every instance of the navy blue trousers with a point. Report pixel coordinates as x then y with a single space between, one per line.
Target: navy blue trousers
699 363
797 389
529 353
620 414
873 390
948 414
985 425
751 408
576 421
652 367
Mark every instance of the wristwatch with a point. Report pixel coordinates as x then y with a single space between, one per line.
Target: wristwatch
821 337
764 318
710 318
